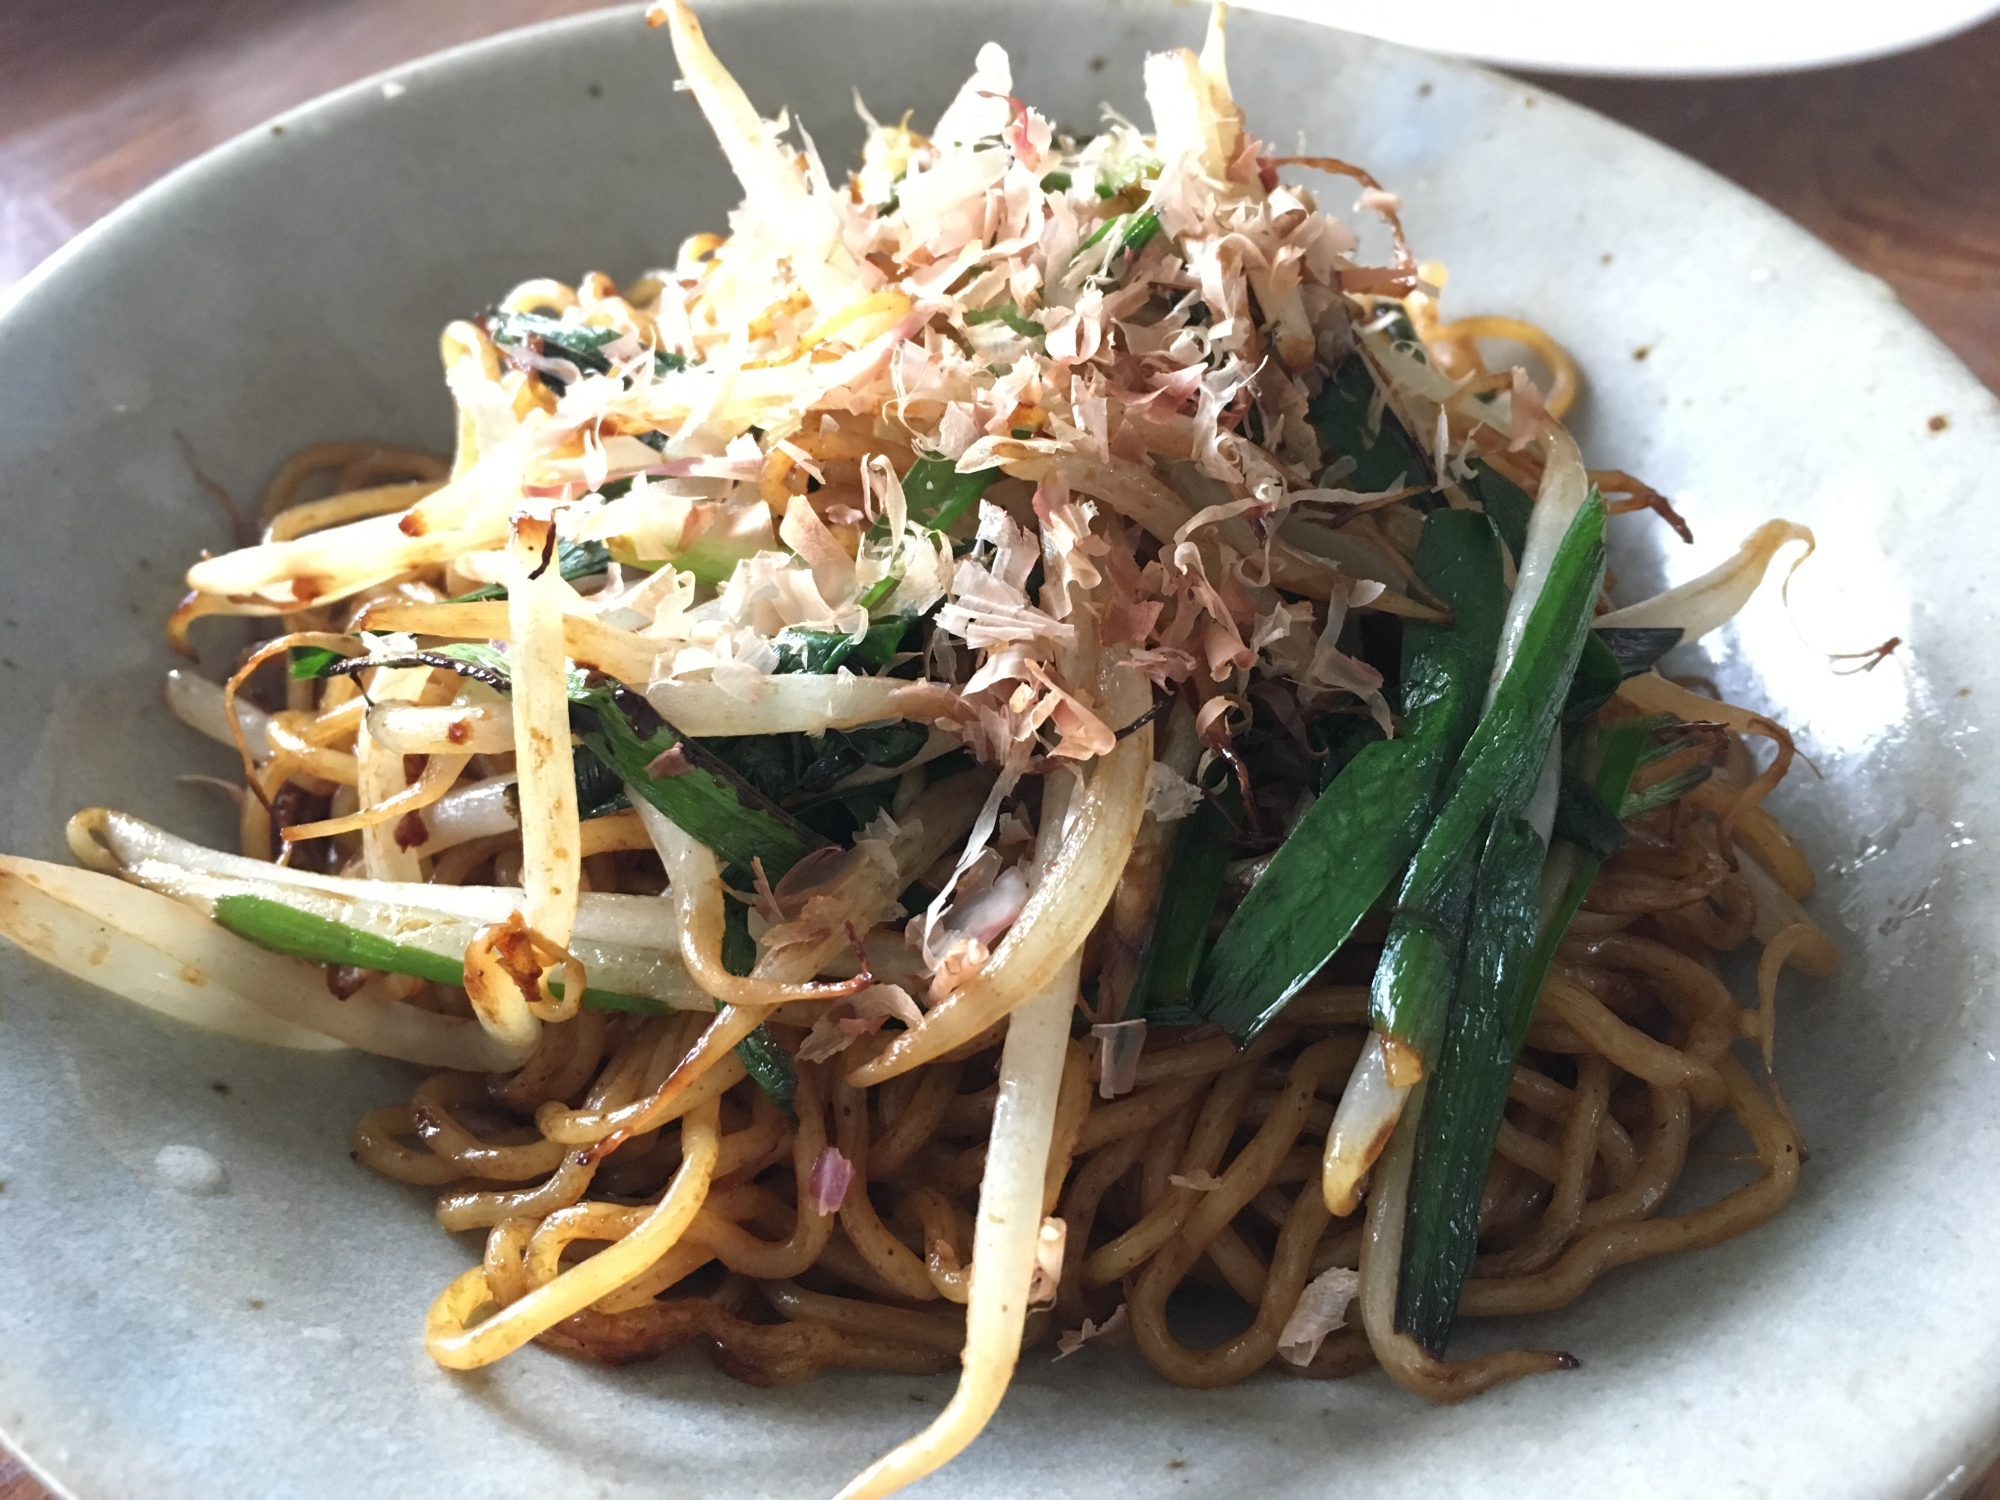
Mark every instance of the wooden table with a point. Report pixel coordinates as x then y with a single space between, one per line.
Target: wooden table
1894 163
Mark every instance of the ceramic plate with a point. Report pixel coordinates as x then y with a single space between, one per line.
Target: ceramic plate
245 1322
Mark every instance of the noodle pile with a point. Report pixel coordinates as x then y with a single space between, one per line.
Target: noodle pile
762 779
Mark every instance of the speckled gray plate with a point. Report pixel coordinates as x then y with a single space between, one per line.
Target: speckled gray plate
261 1338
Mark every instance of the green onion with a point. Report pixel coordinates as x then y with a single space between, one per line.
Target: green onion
1491 782
1009 314
1348 847
1620 752
1133 231
937 495
1141 231
1596 679
1583 818
1505 501
274 925
1467 1088
1669 789
1352 422
1467 1084
709 800
1338 738
1665 735
1611 655
1188 893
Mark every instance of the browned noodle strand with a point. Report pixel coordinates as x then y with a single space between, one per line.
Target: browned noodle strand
1188 1176
1203 1172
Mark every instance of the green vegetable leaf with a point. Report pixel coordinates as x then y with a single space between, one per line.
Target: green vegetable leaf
1188 894
1611 655
581 346
827 650
1346 850
480 654
706 799
739 949
764 1059
784 767
308 663
886 744
770 1068
599 792
937 495
1339 737
469 659
1352 424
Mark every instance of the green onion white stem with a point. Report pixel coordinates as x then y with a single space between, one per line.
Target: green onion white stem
627 942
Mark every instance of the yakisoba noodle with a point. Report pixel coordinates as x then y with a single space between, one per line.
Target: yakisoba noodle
957 762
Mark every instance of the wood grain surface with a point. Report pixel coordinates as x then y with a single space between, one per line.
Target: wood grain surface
1895 163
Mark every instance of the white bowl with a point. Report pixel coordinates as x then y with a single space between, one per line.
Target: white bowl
261 1339
1690 39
